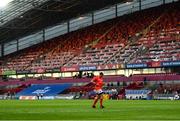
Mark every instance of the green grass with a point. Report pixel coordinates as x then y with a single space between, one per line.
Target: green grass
81 110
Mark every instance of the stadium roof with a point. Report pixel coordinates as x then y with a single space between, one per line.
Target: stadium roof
22 17
17 7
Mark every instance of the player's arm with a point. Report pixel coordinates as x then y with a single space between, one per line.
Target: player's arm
93 81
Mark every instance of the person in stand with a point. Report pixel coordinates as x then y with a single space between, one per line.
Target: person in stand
38 96
98 84
41 96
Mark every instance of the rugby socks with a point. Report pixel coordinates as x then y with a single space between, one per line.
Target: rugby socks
101 102
95 101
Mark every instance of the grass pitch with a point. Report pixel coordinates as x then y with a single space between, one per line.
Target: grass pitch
81 110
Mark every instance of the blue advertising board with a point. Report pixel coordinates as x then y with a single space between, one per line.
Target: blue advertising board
45 90
137 65
170 63
87 68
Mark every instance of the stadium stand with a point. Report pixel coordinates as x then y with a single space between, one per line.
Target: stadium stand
113 41
167 89
121 34
62 80
160 41
146 36
12 90
155 77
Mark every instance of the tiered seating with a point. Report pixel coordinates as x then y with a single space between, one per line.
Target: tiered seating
155 77
95 56
27 56
126 28
124 55
112 42
63 80
74 43
163 29
53 61
13 90
22 61
51 51
166 47
163 39
167 89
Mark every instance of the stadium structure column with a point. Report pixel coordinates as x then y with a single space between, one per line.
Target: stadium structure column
116 10
17 44
43 36
2 49
92 17
164 2
68 26
139 4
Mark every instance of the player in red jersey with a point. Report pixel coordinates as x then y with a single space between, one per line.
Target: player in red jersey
98 82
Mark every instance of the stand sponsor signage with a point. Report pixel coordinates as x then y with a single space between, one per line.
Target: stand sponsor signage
108 67
69 69
87 68
137 65
170 63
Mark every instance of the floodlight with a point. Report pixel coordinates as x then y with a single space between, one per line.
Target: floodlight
4 3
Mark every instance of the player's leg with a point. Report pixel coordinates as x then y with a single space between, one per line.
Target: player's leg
95 101
101 101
